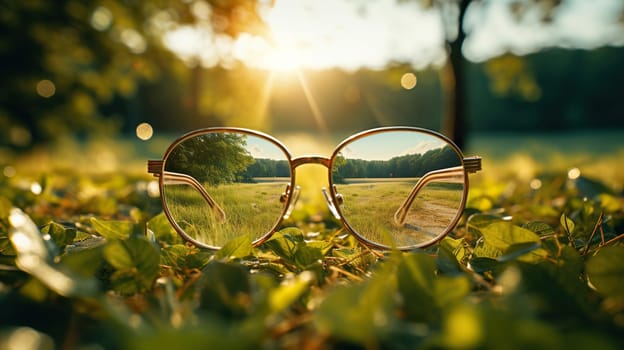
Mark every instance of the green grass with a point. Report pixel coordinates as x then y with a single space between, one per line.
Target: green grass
250 209
369 208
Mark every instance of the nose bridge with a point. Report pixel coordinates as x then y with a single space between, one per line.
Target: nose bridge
310 160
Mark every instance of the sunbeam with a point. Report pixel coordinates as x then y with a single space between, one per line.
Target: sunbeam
316 111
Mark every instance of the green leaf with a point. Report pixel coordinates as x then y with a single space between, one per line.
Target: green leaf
35 258
479 221
447 261
605 271
62 236
225 289
502 235
567 223
415 275
287 293
289 244
113 229
517 250
450 290
360 313
163 230
540 228
176 255
236 248
85 262
136 262
483 264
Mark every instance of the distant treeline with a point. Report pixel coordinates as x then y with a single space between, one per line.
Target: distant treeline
263 167
411 165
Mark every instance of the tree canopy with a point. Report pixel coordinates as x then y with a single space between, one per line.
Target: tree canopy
213 158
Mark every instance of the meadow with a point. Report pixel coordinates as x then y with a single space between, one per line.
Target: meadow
251 209
534 262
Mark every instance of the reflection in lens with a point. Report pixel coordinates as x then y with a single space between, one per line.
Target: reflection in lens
221 185
399 188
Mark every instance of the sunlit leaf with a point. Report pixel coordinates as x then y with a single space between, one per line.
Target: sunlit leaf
502 235
112 229
567 223
605 271
163 230
610 203
517 250
284 295
540 228
236 248
35 258
479 221
289 244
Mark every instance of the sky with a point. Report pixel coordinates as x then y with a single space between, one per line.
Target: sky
384 146
380 146
353 34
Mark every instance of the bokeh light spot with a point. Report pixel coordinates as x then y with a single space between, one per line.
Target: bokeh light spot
46 88
20 136
133 40
536 184
153 190
101 18
144 131
36 188
408 81
9 171
574 173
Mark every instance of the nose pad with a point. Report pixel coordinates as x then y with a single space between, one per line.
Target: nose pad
330 203
290 191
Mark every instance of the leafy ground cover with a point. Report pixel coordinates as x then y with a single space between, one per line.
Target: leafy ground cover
87 260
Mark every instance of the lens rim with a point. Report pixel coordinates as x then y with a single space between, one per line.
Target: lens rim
204 131
334 193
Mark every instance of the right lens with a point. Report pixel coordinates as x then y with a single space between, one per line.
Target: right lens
218 185
402 188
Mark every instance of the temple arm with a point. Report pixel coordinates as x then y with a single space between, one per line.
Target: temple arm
173 178
448 173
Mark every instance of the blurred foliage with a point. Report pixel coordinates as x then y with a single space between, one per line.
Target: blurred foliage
536 262
70 66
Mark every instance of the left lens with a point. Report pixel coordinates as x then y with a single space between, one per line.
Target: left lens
218 185
402 188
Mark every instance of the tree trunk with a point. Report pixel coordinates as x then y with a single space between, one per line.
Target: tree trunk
454 85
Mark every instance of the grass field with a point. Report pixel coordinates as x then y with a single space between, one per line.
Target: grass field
251 209
369 208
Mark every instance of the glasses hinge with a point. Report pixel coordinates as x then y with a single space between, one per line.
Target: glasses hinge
155 167
472 164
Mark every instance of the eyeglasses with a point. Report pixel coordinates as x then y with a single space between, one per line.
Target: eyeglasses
391 187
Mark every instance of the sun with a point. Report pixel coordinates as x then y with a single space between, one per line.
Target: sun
281 60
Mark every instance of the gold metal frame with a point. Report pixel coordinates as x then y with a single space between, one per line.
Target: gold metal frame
333 199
